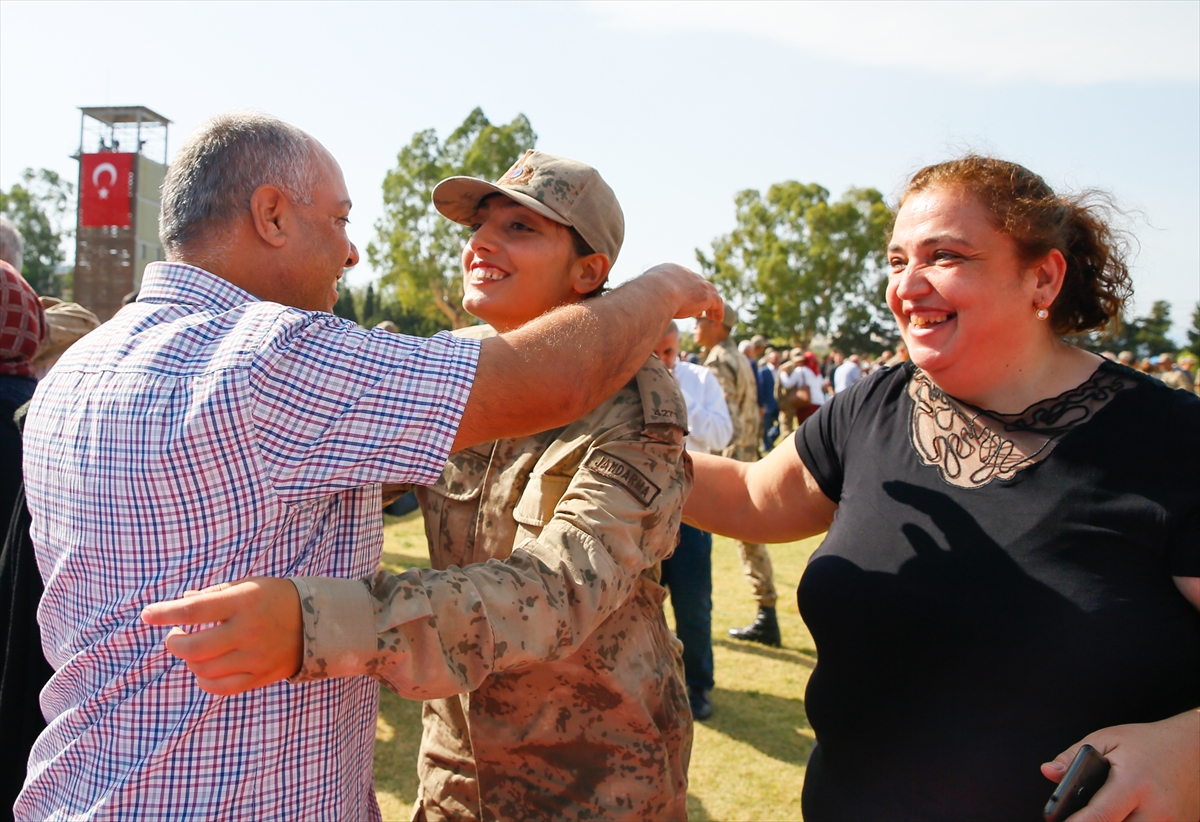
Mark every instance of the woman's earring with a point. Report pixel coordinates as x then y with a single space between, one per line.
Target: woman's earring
1042 313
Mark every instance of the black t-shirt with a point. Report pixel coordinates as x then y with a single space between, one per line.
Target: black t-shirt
966 635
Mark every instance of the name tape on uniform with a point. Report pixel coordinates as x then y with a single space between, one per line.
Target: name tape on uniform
625 475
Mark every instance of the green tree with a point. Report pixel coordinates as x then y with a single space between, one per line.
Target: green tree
1151 333
344 307
1193 333
370 307
799 265
1144 336
417 250
40 206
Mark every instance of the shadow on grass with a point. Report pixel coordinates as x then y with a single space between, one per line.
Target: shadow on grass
771 724
797 656
695 809
396 744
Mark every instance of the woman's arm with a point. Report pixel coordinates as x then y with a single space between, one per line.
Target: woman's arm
773 500
1155 765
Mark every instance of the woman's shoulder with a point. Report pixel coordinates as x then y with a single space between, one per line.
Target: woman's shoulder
879 388
1150 406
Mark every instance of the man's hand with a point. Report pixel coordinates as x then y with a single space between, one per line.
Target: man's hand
694 295
260 638
1155 771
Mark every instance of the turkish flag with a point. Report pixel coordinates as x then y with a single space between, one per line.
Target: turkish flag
106 189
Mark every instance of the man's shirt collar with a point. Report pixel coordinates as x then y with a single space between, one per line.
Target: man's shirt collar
182 284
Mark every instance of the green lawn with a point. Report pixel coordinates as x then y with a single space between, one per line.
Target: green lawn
747 761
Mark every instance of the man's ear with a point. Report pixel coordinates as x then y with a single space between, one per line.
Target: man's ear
268 205
591 272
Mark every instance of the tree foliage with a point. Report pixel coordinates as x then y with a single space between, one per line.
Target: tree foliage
416 249
41 207
1193 333
799 265
1143 336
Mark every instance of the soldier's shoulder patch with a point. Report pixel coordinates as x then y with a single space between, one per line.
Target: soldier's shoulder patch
662 402
625 475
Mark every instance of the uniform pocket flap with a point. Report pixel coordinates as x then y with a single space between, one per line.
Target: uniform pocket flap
541 496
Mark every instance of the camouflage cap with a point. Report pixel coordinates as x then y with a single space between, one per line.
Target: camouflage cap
730 320
560 189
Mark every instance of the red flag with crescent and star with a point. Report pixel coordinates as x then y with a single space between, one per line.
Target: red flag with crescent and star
106 190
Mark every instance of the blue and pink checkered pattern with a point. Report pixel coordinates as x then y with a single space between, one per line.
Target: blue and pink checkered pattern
201 436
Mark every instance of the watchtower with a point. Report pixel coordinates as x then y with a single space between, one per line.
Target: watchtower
120 179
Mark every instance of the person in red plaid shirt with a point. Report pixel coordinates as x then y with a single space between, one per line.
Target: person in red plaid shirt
22 329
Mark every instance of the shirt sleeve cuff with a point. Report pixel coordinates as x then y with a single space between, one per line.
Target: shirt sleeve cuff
339 628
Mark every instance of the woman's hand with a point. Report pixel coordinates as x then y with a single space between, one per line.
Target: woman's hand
1155 771
259 639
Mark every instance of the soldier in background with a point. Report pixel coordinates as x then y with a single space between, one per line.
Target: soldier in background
737 380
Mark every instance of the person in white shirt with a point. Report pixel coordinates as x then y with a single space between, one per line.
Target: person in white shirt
803 387
688 572
847 374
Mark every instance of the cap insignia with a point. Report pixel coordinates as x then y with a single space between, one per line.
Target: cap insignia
518 176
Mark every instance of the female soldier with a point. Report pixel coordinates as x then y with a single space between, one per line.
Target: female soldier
553 686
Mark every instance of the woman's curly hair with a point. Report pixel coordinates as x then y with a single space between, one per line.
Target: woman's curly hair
1097 283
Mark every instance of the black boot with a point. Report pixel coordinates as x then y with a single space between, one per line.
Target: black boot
701 702
764 629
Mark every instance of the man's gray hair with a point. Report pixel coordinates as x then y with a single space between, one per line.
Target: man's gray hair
220 166
12 245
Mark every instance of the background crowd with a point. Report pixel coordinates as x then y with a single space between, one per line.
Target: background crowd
745 393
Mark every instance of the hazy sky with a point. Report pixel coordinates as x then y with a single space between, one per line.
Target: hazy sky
680 105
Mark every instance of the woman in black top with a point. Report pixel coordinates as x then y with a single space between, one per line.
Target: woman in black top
1012 566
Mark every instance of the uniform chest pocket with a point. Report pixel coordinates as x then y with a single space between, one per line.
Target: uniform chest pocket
539 499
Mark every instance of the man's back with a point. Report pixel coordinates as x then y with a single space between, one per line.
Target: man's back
203 436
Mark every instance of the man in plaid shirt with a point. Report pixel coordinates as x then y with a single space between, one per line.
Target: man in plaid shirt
225 425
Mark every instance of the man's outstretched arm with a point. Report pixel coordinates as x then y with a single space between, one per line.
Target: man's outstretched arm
552 371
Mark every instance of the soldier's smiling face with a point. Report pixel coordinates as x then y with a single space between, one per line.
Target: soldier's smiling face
518 265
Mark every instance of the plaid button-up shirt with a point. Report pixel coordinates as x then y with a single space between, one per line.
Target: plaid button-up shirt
202 436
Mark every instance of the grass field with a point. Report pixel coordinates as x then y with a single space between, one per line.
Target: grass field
747 761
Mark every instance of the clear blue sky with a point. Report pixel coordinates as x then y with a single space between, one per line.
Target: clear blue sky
679 105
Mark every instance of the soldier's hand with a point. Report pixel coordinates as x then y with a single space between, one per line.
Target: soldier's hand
694 296
258 638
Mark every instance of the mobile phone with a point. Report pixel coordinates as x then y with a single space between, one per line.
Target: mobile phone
1085 776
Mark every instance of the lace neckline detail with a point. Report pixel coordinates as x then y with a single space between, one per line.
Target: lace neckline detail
971 446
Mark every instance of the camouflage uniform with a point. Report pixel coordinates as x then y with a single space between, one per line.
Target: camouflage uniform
554 687
741 393
1178 379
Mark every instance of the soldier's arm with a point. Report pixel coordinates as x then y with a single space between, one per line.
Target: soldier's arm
430 634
